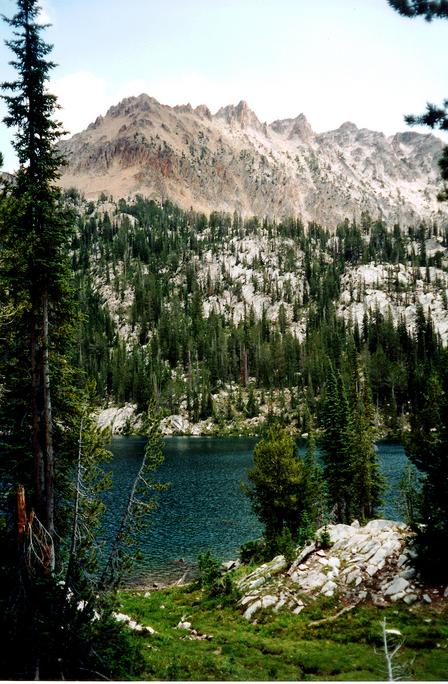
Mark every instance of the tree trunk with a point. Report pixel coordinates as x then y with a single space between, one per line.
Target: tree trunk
42 413
47 421
39 475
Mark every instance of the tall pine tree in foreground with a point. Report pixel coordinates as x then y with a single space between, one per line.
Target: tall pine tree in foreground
427 447
36 240
54 623
367 482
351 467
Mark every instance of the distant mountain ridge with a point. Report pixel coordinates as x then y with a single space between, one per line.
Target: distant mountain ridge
230 161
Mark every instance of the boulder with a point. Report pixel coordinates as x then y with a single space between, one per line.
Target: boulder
410 599
175 425
398 584
268 601
312 580
249 612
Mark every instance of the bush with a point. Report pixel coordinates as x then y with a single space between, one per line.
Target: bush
211 577
284 544
324 539
253 551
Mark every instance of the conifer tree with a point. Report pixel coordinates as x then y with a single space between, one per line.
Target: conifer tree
41 407
276 484
314 490
334 443
38 235
430 9
367 482
427 447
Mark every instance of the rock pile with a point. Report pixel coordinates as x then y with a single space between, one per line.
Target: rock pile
371 562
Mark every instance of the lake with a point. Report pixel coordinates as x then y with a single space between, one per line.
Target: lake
204 508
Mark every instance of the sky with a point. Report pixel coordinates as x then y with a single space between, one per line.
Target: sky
332 60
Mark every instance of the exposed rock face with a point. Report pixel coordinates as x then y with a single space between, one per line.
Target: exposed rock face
370 562
231 161
119 420
396 291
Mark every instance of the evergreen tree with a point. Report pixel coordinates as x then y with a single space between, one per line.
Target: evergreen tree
41 409
37 236
314 495
430 9
334 443
252 408
276 484
367 482
427 447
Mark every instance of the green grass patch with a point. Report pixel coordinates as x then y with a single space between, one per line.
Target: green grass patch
284 646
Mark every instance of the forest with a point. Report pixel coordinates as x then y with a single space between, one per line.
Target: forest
152 258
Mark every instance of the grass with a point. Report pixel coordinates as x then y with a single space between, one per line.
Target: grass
283 646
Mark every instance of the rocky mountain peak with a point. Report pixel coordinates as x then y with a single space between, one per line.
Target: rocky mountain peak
183 109
301 128
240 114
232 162
203 111
130 105
349 127
294 128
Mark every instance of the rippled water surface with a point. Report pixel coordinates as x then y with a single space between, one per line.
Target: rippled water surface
204 507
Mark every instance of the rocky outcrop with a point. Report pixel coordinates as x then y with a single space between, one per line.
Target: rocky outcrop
120 420
397 291
363 563
230 161
175 425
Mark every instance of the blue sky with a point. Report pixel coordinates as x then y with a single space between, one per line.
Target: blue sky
333 60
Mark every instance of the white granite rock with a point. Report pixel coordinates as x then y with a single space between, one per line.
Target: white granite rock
329 587
312 580
402 560
410 599
268 601
249 612
398 584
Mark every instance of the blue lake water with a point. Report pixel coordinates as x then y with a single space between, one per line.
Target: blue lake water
204 508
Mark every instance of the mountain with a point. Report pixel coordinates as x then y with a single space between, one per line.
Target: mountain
230 161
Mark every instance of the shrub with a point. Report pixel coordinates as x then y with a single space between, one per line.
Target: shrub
211 577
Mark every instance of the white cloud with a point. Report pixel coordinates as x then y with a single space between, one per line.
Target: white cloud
45 15
82 97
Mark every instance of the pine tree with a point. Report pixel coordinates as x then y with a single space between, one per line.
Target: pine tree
430 9
367 482
334 442
427 448
314 490
41 407
38 235
276 484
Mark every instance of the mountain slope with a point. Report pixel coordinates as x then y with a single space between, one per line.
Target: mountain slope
230 161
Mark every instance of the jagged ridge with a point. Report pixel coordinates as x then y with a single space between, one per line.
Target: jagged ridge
230 161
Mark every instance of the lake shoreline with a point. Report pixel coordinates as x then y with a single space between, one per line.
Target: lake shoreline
205 508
